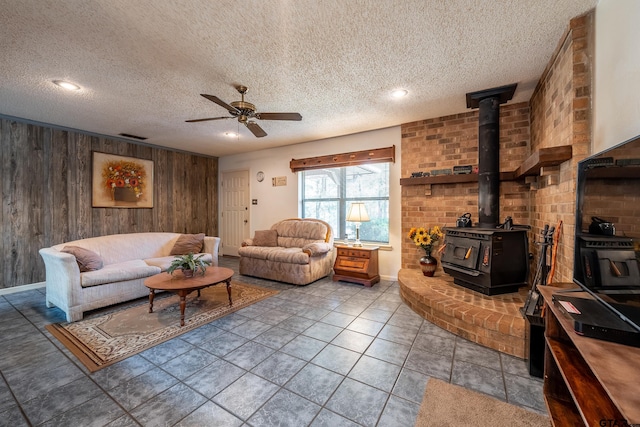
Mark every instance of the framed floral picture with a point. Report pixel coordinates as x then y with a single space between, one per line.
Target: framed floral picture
121 182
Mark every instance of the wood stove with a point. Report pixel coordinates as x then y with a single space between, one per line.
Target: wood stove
488 260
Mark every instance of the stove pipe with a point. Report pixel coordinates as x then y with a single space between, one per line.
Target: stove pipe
488 101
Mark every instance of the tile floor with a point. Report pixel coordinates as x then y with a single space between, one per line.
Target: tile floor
326 354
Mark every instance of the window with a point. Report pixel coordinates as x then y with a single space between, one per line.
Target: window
328 193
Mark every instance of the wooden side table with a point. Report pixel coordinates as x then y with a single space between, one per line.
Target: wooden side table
357 265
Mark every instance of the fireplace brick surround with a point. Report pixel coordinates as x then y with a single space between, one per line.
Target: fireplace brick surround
558 113
493 321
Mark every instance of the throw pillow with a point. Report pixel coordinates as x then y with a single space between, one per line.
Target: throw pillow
188 243
266 238
87 260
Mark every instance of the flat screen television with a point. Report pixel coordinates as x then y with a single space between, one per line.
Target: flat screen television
607 230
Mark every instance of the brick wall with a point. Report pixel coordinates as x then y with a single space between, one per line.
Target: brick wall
559 113
449 141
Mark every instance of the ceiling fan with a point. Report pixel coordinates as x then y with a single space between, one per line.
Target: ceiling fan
245 111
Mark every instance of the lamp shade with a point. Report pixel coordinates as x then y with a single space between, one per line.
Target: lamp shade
357 213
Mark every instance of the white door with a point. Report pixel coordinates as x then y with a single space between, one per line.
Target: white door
235 211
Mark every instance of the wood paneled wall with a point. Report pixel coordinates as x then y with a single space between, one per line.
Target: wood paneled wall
46 194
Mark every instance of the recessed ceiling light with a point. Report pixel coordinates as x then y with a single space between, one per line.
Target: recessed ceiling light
66 85
399 93
230 134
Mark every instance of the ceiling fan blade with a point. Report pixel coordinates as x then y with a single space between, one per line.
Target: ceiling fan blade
210 118
220 102
256 129
279 116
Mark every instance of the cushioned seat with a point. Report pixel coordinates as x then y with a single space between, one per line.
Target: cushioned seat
121 271
277 254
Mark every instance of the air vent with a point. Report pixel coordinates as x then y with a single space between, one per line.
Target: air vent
128 135
613 244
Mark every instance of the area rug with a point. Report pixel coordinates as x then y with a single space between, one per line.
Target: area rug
447 404
101 340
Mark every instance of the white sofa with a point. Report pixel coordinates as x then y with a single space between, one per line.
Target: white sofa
128 259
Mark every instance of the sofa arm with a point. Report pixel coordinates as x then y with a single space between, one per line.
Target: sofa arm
247 242
62 279
212 246
318 248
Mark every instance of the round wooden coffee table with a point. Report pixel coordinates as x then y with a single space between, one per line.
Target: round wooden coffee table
182 286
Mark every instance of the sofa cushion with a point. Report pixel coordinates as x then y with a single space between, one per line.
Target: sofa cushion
276 254
188 243
165 261
267 238
298 232
118 272
87 260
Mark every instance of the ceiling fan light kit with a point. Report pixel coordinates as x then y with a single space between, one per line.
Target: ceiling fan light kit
244 111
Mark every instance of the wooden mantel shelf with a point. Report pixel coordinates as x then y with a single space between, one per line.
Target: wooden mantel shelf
544 157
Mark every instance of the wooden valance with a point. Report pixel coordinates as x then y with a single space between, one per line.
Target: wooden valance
377 155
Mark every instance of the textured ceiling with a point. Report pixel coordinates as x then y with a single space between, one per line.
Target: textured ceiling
142 64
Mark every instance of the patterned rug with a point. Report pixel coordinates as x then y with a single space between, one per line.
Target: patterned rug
102 339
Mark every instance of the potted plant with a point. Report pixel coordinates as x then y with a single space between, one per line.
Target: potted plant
189 264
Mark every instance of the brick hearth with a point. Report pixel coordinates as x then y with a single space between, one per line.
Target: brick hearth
492 321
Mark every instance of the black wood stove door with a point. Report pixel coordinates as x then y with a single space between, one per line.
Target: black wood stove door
462 252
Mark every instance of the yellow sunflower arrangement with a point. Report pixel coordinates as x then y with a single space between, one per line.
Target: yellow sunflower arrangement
426 238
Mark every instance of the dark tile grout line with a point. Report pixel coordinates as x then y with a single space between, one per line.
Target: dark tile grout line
504 380
14 398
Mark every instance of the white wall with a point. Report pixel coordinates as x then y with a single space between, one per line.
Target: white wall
616 104
277 203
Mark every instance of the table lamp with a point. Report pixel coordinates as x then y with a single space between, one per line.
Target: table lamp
358 214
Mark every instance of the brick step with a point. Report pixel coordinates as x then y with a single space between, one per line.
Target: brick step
492 321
